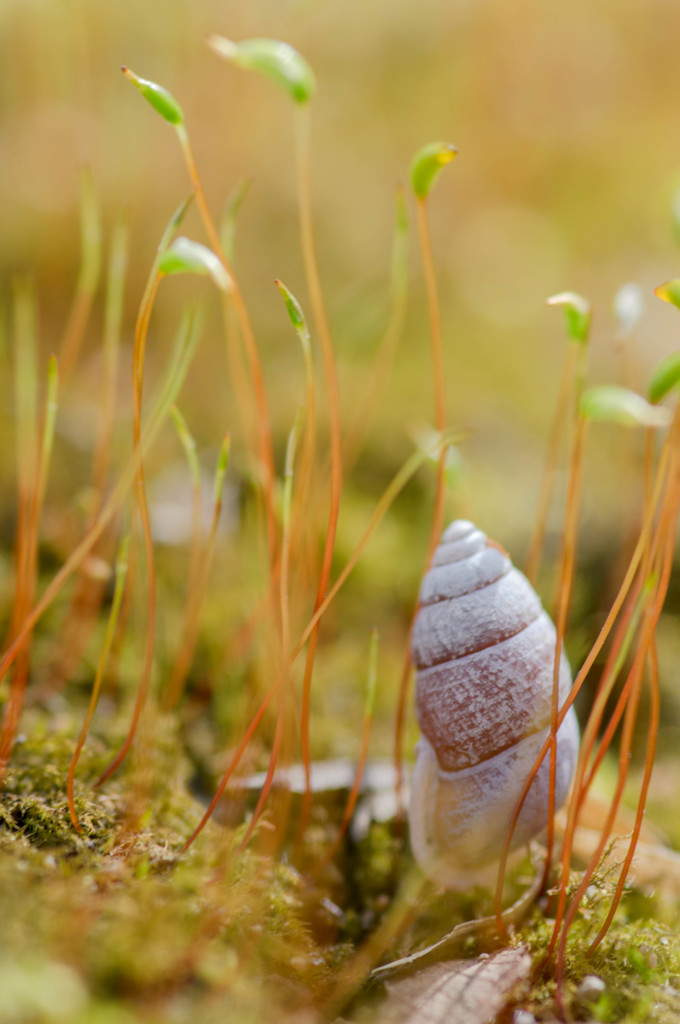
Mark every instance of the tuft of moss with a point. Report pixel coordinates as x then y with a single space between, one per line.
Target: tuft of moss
637 964
125 922
34 801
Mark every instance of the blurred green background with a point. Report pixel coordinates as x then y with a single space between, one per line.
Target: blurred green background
566 121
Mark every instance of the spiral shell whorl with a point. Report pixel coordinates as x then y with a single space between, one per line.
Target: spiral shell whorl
484 652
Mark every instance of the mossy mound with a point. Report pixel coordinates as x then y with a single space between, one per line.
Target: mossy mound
127 928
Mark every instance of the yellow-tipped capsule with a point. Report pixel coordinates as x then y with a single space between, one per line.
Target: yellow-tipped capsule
669 291
426 165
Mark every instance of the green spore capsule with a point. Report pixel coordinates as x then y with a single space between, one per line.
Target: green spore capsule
577 314
275 59
426 165
665 377
612 404
159 98
187 257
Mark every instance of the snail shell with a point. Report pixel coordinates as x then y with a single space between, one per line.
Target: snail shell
484 653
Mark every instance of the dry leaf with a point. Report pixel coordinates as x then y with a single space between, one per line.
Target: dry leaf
473 991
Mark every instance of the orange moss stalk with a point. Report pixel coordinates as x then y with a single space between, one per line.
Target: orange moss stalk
567 560
234 763
86 600
282 64
282 716
321 320
655 593
652 732
26 415
550 469
626 631
302 539
636 676
280 686
238 372
622 406
32 469
182 256
176 374
197 587
384 359
119 254
577 322
425 168
263 418
189 448
396 485
139 348
88 278
639 603
166 105
184 655
121 574
363 754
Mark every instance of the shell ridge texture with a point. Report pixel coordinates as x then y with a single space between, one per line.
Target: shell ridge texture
484 651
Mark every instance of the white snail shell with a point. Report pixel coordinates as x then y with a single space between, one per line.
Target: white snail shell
484 653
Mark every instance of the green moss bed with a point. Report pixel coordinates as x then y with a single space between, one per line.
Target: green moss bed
117 924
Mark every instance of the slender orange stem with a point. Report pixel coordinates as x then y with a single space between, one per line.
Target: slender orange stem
566 579
361 762
652 732
87 596
118 262
626 629
550 468
330 373
76 558
303 538
285 634
581 676
665 529
233 764
351 800
440 491
648 552
32 465
384 359
141 333
121 573
264 423
185 647
271 768
636 674
390 493
238 373
435 317
88 277
621 645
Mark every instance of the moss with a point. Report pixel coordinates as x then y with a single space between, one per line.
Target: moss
134 930
637 962
34 799
131 927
